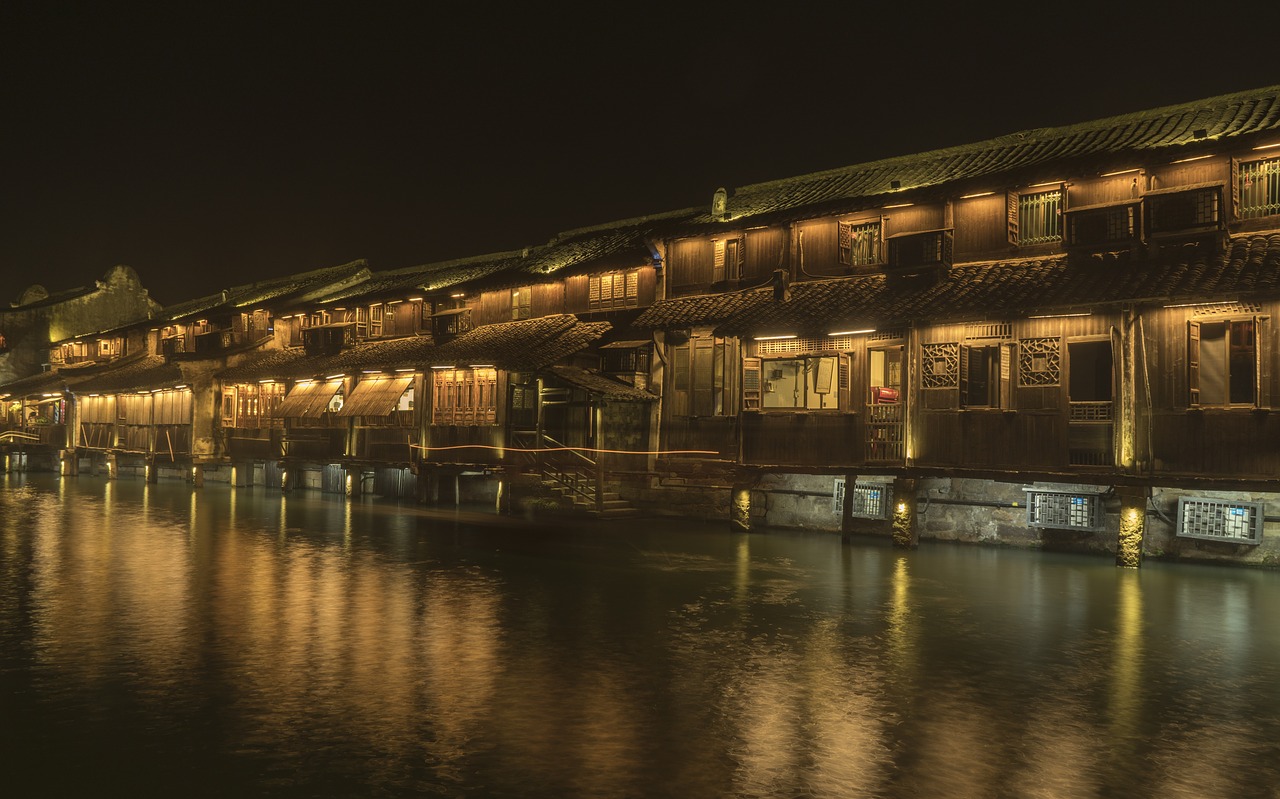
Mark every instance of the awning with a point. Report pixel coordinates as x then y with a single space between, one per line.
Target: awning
377 396
308 400
626 345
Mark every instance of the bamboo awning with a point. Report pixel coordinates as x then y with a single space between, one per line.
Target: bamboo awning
376 396
308 400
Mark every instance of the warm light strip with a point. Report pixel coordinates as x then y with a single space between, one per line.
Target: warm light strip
1192 158
573 449
457 296
900 205
444 367
406 370
303 383
1120 172
852 332
976 194
334 377
415 299
1267 146
1060 315
1200 304
480 366
268 380
371 371
773 338
1046 183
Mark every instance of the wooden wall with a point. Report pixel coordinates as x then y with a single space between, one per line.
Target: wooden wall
981 227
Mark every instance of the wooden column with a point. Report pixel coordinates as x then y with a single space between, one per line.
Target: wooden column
113 466
354 481
846 509
1133 523
906 533
197 476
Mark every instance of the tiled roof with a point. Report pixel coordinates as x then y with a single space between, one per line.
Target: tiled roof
600 385
42 383
704 309
1250 267
524 345
145 373
1026 154
299 286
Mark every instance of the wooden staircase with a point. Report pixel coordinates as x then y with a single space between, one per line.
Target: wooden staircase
577 482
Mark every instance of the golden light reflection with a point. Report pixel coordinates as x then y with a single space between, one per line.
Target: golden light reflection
742 570
901 632
1127 661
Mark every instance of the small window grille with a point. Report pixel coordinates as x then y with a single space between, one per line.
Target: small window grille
869 501
1226 309
787 345
1259 188
1220 520
1064 510
988 330
886 335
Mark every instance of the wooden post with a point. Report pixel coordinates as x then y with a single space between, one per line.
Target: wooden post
1133 523
597 417
906 533
354 481
197 476
113 466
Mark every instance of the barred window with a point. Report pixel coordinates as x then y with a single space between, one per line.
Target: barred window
1259 186
859 243
464 396
1039 218
614 290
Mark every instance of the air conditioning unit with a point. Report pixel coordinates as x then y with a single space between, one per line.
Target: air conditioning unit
1220 520
1065 510
869 500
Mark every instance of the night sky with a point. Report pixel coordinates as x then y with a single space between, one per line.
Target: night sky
206 147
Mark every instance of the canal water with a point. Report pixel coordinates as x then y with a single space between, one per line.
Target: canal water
160 641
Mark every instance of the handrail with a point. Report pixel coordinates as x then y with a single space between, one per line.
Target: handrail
553 442
15 434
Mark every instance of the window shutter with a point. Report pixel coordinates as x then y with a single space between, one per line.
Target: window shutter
750 384
964 375
704 377
593 290
845 246
1011 213
717 261
822 378
680 368
1193 364
738 258
1235 189
1262 351
633 284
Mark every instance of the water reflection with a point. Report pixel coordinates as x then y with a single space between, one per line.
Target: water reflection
308 645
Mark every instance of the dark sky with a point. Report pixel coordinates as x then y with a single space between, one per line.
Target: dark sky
206 146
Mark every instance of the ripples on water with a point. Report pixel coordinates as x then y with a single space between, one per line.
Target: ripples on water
160 641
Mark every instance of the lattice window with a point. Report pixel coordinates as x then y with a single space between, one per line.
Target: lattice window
869 500
1065 510
1039 362
1220 520
886 335
1225 309
783 346
941 365
976 330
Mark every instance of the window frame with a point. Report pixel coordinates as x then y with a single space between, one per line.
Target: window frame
1017 213
1259 358
845 239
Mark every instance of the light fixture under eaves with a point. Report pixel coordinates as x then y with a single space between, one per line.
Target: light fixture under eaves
900 205
1060 315
1120 172
1267 146
335 377
1201 304
976 194
773 338
1192 158
852 332
443 367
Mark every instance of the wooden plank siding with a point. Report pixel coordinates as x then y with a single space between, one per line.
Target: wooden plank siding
802 439
980 230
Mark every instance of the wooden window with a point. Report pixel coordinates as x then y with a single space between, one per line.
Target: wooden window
727 257
464 396
1035 217
985 376
377 314
614 290
521 302
699 378
1039 361
1226 363
807 382
1256 188
940 365
859 243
